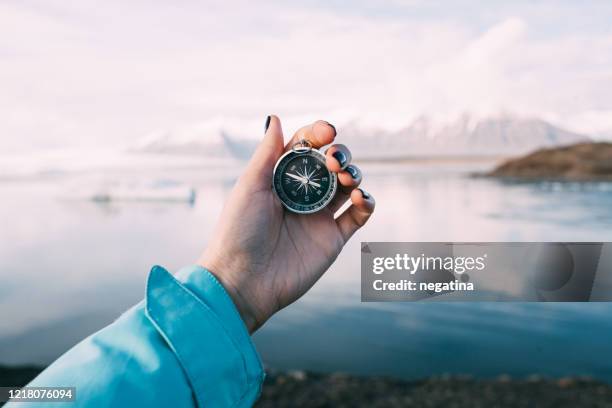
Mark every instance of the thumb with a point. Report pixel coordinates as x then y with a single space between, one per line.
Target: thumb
267 153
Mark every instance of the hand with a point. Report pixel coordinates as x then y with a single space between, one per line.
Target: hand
267 257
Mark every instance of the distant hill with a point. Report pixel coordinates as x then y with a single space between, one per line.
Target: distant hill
204 141
465 136
582 161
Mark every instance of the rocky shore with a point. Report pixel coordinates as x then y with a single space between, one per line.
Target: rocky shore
304 389
578 162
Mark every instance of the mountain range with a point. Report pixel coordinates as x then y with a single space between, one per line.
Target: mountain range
463 136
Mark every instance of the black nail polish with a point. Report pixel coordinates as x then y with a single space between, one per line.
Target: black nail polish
364 194
267 123
353 172
341 157
333 127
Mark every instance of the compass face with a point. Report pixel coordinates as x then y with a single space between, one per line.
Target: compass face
302 181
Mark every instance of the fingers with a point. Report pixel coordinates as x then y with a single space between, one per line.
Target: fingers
337 158
348 180
262 163
357 214
319 134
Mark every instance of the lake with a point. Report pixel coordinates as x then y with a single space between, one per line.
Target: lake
70 265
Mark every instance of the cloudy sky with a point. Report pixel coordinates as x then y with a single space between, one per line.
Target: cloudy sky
106 73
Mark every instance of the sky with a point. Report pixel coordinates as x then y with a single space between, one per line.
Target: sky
110 73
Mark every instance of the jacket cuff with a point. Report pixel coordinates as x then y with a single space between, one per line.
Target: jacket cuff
202 326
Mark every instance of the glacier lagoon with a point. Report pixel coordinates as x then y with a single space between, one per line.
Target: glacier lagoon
69 265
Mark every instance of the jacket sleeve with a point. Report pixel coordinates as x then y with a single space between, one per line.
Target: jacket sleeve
185 345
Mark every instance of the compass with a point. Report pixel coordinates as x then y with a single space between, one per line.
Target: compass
302 181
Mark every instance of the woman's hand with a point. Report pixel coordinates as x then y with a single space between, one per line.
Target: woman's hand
267 257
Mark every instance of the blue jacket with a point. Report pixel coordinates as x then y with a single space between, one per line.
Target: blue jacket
185 345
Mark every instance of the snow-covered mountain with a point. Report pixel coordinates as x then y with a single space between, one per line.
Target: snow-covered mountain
207 139
217 143
463 136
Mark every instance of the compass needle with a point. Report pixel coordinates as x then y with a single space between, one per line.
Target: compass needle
297 177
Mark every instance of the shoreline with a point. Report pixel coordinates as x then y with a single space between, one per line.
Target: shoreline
307 389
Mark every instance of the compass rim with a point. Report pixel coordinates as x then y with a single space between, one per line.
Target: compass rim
321 204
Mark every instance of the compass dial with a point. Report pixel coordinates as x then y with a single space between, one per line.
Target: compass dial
303 182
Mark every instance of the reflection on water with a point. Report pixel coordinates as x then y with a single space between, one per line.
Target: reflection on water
69 266
416 339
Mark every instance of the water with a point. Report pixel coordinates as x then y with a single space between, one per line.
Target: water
68 266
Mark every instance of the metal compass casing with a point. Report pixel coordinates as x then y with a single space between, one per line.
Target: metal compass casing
302 181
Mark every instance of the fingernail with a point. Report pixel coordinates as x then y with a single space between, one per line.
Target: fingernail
353 172
267 123
364 194
333 127
341 157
